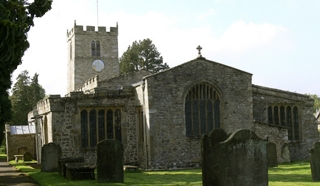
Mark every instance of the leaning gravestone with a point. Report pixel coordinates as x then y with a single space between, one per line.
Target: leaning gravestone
315 161
272 154
50 155
110 162
240 159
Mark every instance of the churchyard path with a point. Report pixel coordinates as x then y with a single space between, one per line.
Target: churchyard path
10 176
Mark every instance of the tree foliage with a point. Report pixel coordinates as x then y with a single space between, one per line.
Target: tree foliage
16 19
142 55
26 93
316 105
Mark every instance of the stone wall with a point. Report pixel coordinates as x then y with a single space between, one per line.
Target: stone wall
19 140
80 58
264 97
277 135
64 114
165 94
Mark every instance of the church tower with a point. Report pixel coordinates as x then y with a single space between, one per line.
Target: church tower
91 53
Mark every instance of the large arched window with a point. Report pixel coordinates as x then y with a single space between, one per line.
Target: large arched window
202 110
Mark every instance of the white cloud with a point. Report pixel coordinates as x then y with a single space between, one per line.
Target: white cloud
47 54
242 36
206 15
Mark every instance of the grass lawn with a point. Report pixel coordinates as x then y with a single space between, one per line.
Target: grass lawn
289 174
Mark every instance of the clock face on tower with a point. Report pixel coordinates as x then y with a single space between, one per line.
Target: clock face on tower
98 65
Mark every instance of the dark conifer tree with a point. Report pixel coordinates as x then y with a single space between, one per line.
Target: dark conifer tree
142 55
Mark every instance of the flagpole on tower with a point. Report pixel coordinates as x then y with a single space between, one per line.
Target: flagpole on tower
97 14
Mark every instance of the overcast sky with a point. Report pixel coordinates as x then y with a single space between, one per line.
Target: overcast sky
277 41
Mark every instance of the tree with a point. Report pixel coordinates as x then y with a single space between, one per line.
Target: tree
25 95
16 19
142 55
316 105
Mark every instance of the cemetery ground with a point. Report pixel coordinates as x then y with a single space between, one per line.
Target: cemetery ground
288 174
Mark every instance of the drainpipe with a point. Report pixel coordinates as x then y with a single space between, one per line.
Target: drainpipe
145 125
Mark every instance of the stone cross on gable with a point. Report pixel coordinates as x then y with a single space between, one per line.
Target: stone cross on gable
199 48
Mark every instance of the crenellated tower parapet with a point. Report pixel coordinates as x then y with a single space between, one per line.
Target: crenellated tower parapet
89 84
79 29
91 52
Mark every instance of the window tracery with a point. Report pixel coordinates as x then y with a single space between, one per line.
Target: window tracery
202 110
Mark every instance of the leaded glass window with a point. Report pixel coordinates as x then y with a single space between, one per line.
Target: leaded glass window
202 110
99 125
98 48
286 117
93 48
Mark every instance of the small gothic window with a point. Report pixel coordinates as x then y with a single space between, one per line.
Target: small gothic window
270 118
202 110
84 128
98 48
276 115
93 48
296 123
101 125
118 125
282 116
289 122
93 128
110 124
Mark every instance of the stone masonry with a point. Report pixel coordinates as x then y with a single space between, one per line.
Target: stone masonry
152 123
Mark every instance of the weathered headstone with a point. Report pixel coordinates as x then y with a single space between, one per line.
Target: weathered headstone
110 162
272 154
50 155
315 161
63 161
209 170
285 153
27 156
240 159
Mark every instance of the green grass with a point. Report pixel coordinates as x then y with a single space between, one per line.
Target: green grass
182 177
291 174
288 174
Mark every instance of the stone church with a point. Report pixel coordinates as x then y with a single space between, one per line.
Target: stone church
160 118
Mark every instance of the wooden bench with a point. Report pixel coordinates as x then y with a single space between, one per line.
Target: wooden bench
80 171
17 157
130 167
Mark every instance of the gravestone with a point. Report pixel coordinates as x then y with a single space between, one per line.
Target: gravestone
27 156
50 155
110 162
238 159
285 153
272 154
63 161
315 161
22 150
